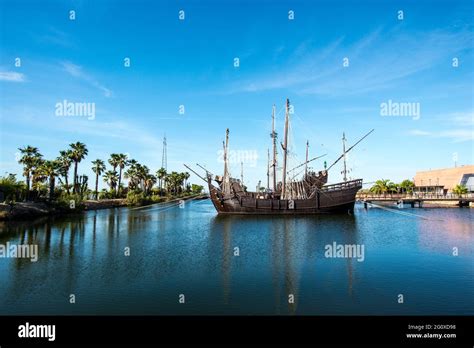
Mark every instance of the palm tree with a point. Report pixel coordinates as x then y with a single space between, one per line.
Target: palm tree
393 188
460 189
381 186
49 169
181 177
121 162
186 176
161 175
407 186
173 181
64 161
150 180
168 183
111 178
98 168
78 153
29 159
142 173
114 161
131 175
37 176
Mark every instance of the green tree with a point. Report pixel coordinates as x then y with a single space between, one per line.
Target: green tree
196 189
29 159
121 163
460 190
64 161
149 181
50 170
111 178
11 188
161 175
170 180
98 168
78 153
407 186
114 161
132 174
143 173
37 175
186 176
381 186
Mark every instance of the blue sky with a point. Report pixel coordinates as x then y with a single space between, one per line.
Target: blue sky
190 62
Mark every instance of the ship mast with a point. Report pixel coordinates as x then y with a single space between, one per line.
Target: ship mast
226 181
344 154
285 151
274 136
306 163
268 169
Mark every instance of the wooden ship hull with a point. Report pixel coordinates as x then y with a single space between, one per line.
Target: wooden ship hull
336 198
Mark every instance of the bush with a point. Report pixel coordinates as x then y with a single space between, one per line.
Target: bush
69 202
196 189
11 189
104 194
137 198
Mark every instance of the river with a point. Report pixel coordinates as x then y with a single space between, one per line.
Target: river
241 264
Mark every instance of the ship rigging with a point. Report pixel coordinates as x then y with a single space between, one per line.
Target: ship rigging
309 195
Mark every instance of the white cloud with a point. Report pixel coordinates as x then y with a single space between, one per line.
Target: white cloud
418 132
461 118
378 60
11 76
78 72
73 69
456 135
56 37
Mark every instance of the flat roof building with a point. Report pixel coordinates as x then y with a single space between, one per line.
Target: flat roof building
444 180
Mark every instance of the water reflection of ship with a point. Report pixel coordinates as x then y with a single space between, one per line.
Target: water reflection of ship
288 250
285 267
220 239
292 275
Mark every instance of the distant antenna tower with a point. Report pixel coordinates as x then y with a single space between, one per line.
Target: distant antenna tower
164 157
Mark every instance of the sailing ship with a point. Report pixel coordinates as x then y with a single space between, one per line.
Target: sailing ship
309 195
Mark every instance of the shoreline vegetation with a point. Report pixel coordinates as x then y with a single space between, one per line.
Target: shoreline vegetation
48 189
385 186
388 189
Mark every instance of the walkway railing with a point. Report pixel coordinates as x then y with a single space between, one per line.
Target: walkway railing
424 196
343 185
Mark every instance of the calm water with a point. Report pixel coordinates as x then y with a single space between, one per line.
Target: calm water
190 251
